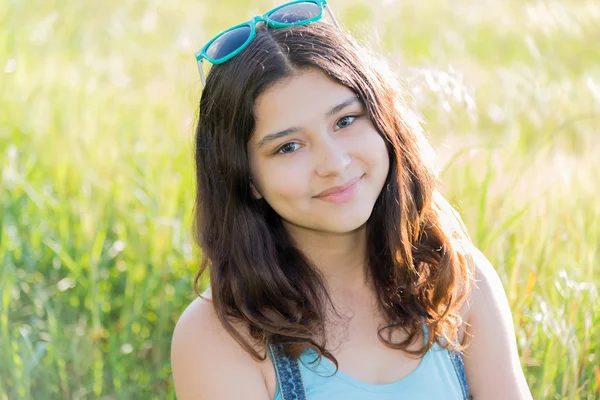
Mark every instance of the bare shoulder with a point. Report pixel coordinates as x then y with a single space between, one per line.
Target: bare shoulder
206 359
491 359
487 286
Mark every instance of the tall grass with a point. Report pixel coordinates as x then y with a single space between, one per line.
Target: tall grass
97 109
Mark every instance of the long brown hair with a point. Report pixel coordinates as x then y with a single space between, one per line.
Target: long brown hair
417 263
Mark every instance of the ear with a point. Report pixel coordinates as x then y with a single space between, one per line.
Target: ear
255 191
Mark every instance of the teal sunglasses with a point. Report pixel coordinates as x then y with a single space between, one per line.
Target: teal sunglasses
231 42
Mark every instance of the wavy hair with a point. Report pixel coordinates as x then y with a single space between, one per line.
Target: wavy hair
417 259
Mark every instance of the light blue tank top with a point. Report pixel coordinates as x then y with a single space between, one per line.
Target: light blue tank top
440 375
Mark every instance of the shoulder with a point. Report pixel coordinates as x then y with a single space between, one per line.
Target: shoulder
487 290
491 359
205 359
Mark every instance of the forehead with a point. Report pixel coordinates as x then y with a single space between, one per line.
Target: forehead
297 99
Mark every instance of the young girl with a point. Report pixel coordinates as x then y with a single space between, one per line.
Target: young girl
337 269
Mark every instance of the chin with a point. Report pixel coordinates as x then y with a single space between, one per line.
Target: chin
347 228
339 223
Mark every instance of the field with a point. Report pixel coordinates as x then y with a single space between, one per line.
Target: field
98 102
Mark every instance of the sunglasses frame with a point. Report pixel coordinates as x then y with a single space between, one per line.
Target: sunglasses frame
201 54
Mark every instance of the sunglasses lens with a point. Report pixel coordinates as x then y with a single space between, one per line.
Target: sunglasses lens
295 12
228 42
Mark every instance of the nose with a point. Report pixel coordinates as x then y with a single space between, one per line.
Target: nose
332 157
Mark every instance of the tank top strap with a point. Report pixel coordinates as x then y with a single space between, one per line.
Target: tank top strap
459 367
287 371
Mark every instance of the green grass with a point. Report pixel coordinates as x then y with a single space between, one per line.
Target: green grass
97 109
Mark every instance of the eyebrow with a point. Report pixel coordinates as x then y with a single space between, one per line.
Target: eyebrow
274 136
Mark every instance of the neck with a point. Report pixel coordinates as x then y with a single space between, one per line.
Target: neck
341 258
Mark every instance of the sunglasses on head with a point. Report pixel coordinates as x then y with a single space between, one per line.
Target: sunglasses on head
232 41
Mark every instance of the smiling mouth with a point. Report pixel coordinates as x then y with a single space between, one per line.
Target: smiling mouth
339 189
346 193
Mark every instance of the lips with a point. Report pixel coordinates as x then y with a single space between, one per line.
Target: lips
338 189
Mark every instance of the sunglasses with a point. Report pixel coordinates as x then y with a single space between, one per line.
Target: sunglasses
232 41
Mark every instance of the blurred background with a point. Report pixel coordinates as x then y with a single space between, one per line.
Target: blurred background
98 102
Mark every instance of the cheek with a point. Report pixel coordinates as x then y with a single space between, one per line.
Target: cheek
285 182
373 151
277 180
382 153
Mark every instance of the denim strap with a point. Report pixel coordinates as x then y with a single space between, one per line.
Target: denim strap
459 367
288 374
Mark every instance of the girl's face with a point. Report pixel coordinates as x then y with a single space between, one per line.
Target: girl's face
312 134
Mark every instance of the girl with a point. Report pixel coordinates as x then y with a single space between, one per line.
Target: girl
337 269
